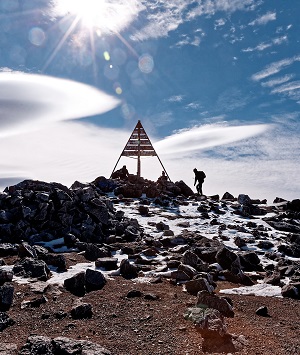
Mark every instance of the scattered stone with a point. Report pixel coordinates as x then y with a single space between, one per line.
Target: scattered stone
76 284
81 311
107 263
5 321
133 294
127 270
6 296
210 300
94 280
262 311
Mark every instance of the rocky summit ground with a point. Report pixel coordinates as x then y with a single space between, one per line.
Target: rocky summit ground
114 267
145 326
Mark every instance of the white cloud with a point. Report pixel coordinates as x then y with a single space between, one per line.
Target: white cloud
193 106
275 68
263 20
289 87
207 136
30 101
176 98
262 46
219 23
210 7
162 17
277 81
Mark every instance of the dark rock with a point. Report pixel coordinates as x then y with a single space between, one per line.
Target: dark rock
184 273
7 249
191 259
273 278
134 293
262 311
200 284
151 297
25 250
244 199
228 196
128 270
211 300
94 280
82 311
265 244
107 263
36 302
294 205
66 346
76 284
60 315
5 276
5 321
236 276
6 297
291 290
208 322
93 252
29 267
240 242
250 261
143 210
41 345
185 190
56 260
228 259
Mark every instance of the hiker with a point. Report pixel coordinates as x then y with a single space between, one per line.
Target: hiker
199 180
124 173
162 181
121 173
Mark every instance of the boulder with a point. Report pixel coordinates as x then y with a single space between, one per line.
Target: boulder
244 199
29 267
199 284
94 280
5 276
210 300
37 345
107 263
8 249
5 321
184 273
6 297
68 346
291 290
228 259
208 322
127 270
76 284
191 259
93 252
228 196
185 190
81 311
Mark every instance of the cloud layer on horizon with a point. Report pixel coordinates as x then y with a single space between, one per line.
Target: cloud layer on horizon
72 150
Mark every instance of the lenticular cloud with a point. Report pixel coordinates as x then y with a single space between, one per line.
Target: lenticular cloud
29 101
206 137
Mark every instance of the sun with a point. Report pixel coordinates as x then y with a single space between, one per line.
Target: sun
105 16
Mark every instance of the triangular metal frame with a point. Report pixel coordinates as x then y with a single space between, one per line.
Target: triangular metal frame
139 145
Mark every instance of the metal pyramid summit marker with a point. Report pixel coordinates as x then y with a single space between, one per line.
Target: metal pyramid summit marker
139 145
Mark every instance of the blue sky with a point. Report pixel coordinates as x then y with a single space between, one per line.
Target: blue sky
215 83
